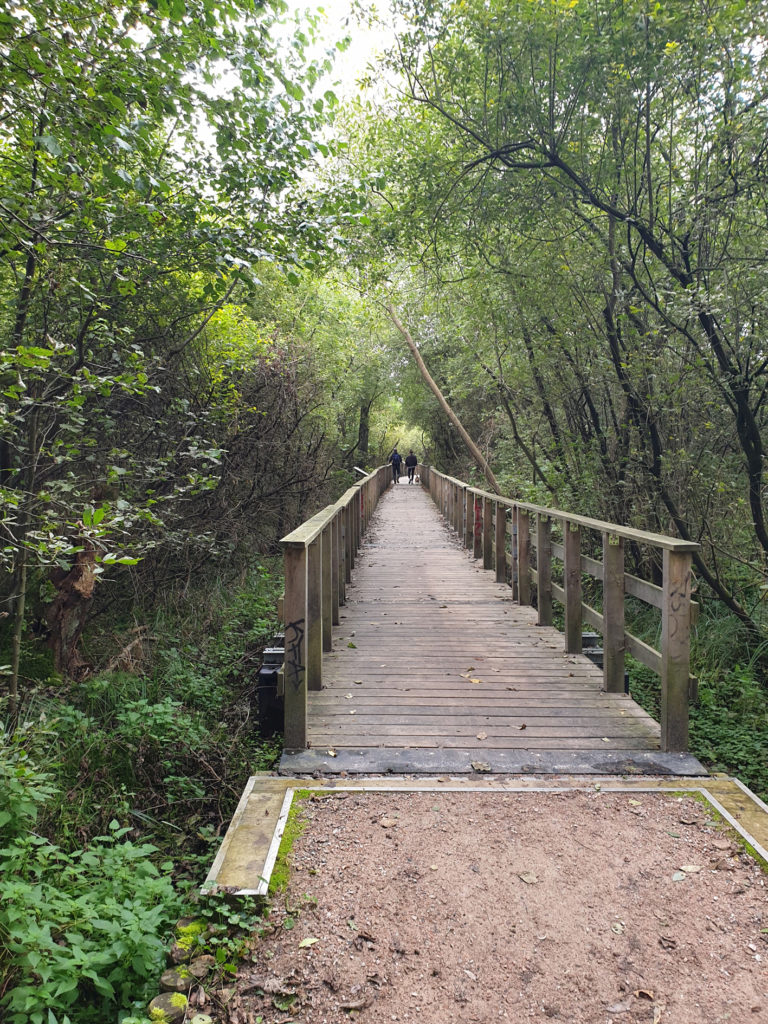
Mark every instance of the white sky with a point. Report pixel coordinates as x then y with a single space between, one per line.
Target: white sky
367 41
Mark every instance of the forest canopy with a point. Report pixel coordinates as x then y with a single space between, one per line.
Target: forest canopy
206 244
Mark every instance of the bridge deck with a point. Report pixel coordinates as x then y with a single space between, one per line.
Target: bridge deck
435 668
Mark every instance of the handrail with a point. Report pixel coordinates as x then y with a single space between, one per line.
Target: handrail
476 515
319 556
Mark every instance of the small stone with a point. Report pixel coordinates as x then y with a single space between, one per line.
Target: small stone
178 954
176 979
201 966
172 1004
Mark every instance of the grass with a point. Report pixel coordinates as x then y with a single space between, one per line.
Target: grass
295 826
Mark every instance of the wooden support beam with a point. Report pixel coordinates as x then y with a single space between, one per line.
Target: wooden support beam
675 650
487 533
326 570
294 666
337 571
515 568
469 517
314 615
524 556
544 570
501 543
572 580
477 543
613 613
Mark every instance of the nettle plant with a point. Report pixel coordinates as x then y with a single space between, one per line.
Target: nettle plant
83 932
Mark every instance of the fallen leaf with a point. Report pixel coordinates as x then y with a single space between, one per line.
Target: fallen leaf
480 766
617 927
657 1012
523 726
690 869
606 740
675 835
475 680
482 735
433 867
347 696
528 877
332 753
353 712
643 993
306 943
470 974
635 803
388 822
350 644
358 682
667 942
689 820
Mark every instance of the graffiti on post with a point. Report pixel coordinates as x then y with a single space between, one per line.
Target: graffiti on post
294 644
478 518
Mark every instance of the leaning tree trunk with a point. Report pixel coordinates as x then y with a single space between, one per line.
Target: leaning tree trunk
477 455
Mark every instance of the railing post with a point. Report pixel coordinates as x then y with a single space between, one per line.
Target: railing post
613 613
523 556
675 650
501 543
348 557
514 559
294 666
477 543
326 558
315 614
468 517
572 581
487 535
338 564
544 569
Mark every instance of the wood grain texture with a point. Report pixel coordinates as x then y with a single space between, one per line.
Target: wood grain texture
431 651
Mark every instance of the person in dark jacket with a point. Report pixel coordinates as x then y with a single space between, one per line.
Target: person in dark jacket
411 462
396 459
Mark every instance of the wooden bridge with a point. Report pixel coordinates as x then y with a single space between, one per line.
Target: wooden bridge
412 645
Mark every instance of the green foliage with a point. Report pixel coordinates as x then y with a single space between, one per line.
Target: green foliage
83 931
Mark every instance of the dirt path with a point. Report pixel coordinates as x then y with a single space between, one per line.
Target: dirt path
578 907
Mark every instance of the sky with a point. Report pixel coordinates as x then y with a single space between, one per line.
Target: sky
338 22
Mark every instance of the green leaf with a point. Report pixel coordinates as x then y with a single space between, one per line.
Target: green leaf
50 144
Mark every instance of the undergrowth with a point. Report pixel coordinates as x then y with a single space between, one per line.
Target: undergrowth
114 794
729 720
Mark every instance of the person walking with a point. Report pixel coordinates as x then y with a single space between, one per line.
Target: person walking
411 462
396 459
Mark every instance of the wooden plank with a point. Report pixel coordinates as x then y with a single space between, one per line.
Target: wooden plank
422 617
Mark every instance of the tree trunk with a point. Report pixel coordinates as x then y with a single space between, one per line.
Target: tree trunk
477 455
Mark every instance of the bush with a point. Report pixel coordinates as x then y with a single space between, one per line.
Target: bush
83 933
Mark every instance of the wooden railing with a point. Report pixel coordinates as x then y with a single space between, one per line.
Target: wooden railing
319 558
481 520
